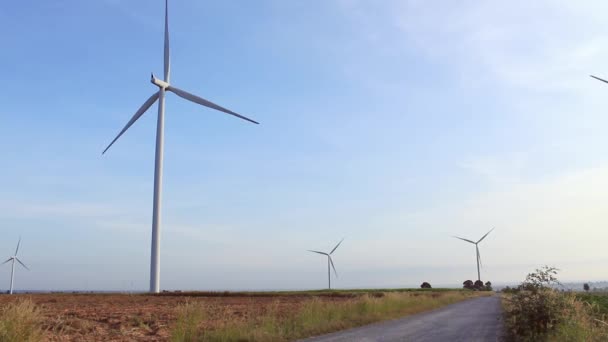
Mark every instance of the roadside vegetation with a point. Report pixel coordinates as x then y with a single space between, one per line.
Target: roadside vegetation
313 317
598 299
20 322
538 311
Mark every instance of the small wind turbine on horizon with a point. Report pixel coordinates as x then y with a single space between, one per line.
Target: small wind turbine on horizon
13 259
163 87
329 262
476 250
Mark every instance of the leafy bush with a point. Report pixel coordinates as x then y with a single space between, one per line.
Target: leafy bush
468 284
537 308
20 322
536 311
425 285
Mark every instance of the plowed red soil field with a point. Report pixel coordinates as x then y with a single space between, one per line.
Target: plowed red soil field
139 317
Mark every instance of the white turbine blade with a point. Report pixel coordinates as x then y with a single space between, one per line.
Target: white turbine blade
167 60
201 101
463 239
18 243
599 79
7 260
149 102
336 246
318 252
483 237
332 265
22 264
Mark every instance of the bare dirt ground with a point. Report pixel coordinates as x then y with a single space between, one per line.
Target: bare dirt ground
139 317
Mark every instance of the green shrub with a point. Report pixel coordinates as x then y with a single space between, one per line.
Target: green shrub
537 308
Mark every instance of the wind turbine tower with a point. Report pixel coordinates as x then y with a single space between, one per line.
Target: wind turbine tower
330 262
476 250
13 259
163 85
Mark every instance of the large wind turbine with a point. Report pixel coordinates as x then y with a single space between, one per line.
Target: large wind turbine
476 250
163 87
329 262
13 259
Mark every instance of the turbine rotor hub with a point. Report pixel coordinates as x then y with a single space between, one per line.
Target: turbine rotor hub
159 83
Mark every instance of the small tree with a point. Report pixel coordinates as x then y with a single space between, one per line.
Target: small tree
468 284
478 285
586 287
488 286
425 285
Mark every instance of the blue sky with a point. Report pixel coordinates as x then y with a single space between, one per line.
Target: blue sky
395 124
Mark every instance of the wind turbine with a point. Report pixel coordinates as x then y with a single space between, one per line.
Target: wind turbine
13 259
476 250
329 262
163 86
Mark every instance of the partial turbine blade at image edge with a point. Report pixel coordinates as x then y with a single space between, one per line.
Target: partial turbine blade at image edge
22 264
149 102
599 79
463 239
167 57
203 102
7 260
317 252
18 243
336 246
332 265
483 237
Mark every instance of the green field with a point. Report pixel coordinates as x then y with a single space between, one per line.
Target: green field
599 299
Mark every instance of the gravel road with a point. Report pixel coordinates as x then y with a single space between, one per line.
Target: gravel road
478 319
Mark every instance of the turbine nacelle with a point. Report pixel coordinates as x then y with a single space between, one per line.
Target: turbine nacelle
159 83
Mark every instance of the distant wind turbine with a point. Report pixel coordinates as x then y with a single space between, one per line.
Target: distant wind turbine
329 262
163 87
13 259
476 250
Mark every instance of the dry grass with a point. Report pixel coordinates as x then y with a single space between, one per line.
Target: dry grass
580 323
20 322
313 317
